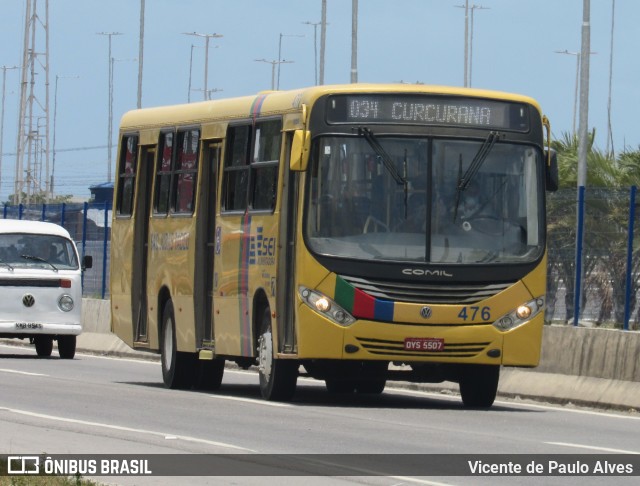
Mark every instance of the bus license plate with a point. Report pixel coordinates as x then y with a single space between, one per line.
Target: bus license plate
423 344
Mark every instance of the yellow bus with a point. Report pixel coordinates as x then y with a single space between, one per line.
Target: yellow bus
351 233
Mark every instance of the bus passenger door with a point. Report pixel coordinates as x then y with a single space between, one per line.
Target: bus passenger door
141 244
205 247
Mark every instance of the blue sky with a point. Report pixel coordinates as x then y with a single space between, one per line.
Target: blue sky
404 40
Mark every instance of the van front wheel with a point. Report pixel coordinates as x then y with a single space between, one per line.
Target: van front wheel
67 347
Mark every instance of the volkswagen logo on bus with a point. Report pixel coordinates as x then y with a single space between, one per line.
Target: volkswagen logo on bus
426 312
28 300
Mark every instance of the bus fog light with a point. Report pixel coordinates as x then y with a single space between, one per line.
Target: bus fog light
65 303
326 307
522 314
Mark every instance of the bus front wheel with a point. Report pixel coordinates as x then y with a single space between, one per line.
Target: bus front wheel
278 377
479 385
177 367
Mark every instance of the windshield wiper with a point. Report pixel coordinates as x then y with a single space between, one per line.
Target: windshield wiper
40 259
5 263
465 179
386 160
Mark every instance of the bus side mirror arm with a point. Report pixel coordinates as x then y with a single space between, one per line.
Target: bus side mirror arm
552 179
300 150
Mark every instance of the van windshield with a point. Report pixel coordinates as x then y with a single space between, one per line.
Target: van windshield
22 250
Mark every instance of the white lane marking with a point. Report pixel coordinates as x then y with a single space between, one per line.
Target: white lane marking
127 429
251 400
595 448
17 372
521 405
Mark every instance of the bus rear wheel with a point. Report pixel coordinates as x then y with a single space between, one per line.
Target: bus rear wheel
479 385
278 377
177 367
67 347
44 345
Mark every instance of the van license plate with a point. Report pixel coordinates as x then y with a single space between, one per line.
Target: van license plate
423 344
28 325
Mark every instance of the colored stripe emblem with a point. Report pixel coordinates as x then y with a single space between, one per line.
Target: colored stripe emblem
360 304
256 106
243 285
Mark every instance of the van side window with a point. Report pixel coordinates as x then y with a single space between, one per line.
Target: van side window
127 167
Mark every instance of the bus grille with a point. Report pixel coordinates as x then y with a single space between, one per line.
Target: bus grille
396 348
422 293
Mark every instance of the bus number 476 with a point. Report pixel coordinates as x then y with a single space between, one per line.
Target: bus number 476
472 311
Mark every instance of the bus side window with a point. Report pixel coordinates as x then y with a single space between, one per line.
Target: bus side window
186 170
127 175
236 168
265 163
163 175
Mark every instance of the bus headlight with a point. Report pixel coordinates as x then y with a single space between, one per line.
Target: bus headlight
326 306
519 316
65 303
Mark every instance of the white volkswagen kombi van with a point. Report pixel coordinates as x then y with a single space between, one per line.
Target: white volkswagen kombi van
40 285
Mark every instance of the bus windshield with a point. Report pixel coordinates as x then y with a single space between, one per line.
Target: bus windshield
443 201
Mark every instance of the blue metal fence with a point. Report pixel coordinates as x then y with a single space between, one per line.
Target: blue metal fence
610 258
90 227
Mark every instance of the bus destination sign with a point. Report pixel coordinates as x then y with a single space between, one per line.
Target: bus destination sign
428 110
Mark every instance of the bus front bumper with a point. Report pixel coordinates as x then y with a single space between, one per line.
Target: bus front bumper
398 342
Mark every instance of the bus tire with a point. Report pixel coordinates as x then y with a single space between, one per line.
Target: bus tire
479 385
373 377
44 345
210 374
278 377
177 367
67 347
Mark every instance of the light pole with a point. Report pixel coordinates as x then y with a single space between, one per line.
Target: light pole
140 54
50 183
468 39
110 108
273 69
4 85
609 130
354 41
323 39
577 84
315 47
207 37
575 95
280 53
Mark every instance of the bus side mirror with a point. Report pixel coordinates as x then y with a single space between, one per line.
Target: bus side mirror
552 180
300 150
87 262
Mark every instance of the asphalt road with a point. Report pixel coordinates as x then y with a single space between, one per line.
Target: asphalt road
98 405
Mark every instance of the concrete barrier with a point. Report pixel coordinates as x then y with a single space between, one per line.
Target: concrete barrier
587 366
